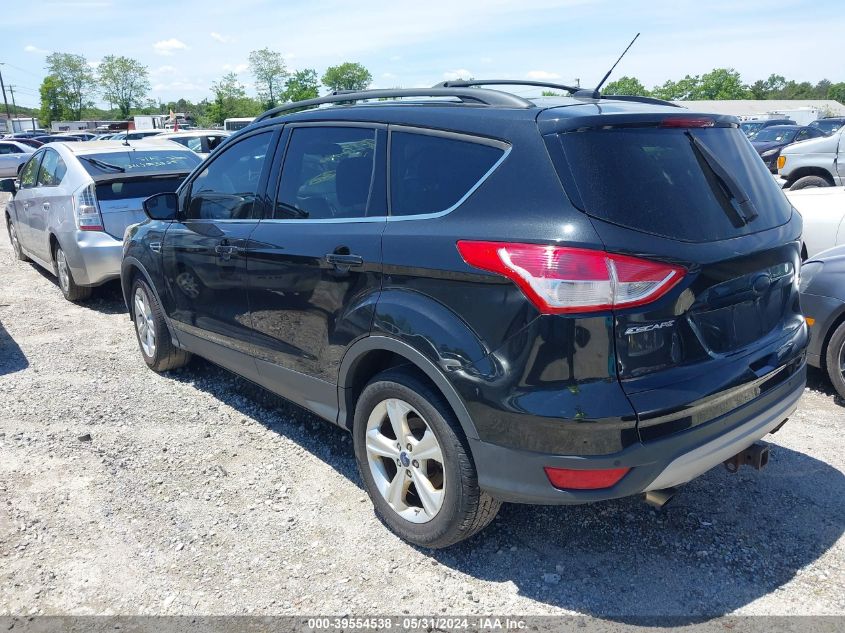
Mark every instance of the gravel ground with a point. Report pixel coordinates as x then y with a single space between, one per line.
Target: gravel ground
126 492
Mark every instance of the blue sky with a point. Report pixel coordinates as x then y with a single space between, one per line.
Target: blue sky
188 44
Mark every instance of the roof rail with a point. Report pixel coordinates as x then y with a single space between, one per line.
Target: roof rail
461 83
474 95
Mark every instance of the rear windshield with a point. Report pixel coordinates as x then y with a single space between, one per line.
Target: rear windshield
134 161
682 184
141 188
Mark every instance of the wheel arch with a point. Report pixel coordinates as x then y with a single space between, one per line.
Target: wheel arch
373 354
129 270
809 170
838 320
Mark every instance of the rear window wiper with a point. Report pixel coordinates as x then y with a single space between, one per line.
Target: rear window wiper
746 211
102 164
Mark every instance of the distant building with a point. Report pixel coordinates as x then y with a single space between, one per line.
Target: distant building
19 124
801 111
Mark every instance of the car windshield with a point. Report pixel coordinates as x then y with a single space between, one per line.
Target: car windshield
750 128
140 161
827 126
775 135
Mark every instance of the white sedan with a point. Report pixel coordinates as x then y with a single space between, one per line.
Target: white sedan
823 211
12 156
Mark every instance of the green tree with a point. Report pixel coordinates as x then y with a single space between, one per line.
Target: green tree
124 82
774 86
684 89
757 90
837 92
75 80
52 106
230 100
626 86
268 68
302 85
720 83
347 76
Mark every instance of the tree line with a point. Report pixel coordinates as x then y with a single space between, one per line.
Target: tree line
69 89
726 83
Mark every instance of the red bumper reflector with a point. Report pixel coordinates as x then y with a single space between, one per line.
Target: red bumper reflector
567 479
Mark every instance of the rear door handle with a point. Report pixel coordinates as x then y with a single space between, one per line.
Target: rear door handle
336 259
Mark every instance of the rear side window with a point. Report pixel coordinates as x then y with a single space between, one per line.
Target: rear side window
53 170
329 173
656 181
430 174
227 189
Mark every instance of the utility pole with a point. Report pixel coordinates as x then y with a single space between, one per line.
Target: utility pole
3 87
14 105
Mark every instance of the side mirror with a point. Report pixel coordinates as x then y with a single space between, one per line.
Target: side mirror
8 185
162 206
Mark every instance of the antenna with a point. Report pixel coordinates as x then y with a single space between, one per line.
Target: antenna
596 93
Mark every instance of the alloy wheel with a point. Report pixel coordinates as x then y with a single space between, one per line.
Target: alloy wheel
405 460
13 236
64 273
144 322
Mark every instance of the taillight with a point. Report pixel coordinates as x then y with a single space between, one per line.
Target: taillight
559 279
685 122
568 479
87 211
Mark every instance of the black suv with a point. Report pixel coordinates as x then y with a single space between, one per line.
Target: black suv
545 301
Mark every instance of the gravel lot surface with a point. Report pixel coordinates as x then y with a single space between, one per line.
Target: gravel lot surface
126 492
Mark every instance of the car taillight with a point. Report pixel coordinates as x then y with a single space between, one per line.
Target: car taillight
559 279
568 479
87 211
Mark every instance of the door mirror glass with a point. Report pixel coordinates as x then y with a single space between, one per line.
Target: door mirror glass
162 206
8 186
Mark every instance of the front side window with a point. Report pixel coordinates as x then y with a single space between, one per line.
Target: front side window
52 171
430 174
227 189
328 173
29 171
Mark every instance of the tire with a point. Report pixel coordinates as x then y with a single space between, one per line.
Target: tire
809 181
13 238
457 508
151 330
834 359
69 288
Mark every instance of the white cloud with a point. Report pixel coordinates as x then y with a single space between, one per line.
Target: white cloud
460 73
169 47
486 60
223 39
29 48
388 76
541 75
235 68
179 86
164 70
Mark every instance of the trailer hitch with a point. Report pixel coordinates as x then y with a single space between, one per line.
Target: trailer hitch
756 455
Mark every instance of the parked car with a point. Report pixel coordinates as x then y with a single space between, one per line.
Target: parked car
56 138
31 142
28 134
137 135
74 201
823 211
819 162
823 302
538 301
82 136
203 142
828 125
771 140
13 154
751 128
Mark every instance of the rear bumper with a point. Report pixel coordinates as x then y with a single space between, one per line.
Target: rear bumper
94 257
517 476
